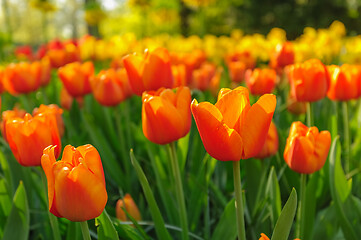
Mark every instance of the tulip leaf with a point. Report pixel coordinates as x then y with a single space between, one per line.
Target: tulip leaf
338 191
285 221
310 205
73 231
226 227
160 229
17 225
127 231
274 195
105 227
5 202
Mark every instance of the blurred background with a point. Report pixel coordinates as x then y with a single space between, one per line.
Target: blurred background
35 22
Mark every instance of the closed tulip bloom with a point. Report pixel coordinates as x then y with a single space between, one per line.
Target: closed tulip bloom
295 107
306 149
203 76
9 114
28 136
166 114
56 111
232 129
261 81
45 72
76 184
345 82
149 72
128 204
111 87
75 77
236 71
22 77
309 80
263 237
270 146
284 55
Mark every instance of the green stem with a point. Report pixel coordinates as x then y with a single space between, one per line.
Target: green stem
239 203
53 220
85 230
346 130
179 190
124 150
302 209
309 114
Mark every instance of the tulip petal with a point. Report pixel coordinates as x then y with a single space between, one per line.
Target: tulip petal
134 66
256 124
300 155
219 140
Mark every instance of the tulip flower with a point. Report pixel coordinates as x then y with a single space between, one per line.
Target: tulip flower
236 71
9 114
270 146
110 87
284 55
345 82
128 204
52 109
75 77
295 107
28 136
306 149
45 71
76 184
202 77
150 72
264 237
22 77
231 129
261 81
309 80
66 100
166 114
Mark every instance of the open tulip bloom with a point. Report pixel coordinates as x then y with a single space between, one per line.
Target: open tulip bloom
232 130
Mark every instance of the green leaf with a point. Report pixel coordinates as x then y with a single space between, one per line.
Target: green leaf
17 225
160 229
127 231
285 221
5 202
106 230
73 231
226 227
310 205
274 195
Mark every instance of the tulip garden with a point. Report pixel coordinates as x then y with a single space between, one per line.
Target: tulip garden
245 136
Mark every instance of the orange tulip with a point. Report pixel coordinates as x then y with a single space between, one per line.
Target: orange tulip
270 146
295 107
61 54
284 55
22 77
45 72
66 100
111 87
166 114
28 136
203 76
75 77
309 80
306 149
263 237
9 114
345 82
52 109
129 205
179 75
261 81
232 129
76 184
150 72
236 71
244 57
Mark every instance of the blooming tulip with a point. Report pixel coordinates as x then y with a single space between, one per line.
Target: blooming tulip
309 80
111 87
232 129
306 149
150 72
76 184
345 82
8 114
75 77
261 81
128 204
270 146
166 114
28 136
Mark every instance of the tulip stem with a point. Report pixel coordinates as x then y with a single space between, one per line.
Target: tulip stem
302 209
346 130
309 114
179 190
239 202
85 230
53 220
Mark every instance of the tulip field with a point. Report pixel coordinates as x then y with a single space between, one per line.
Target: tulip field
245 136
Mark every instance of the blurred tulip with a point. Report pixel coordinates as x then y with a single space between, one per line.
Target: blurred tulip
261 81
309 80
76 184
166 114
270 146
306 149
150 72
231 129
111 87
284 55
202 76
131 208
61 54
263 237
295 107
244 57
66 100
22 77
52 109
9 114
179 75
236 71
24 53
345 82
75 77
2 75
28 136
45 71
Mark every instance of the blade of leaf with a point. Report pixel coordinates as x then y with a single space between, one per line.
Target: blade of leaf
226 229
274 195
105 227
